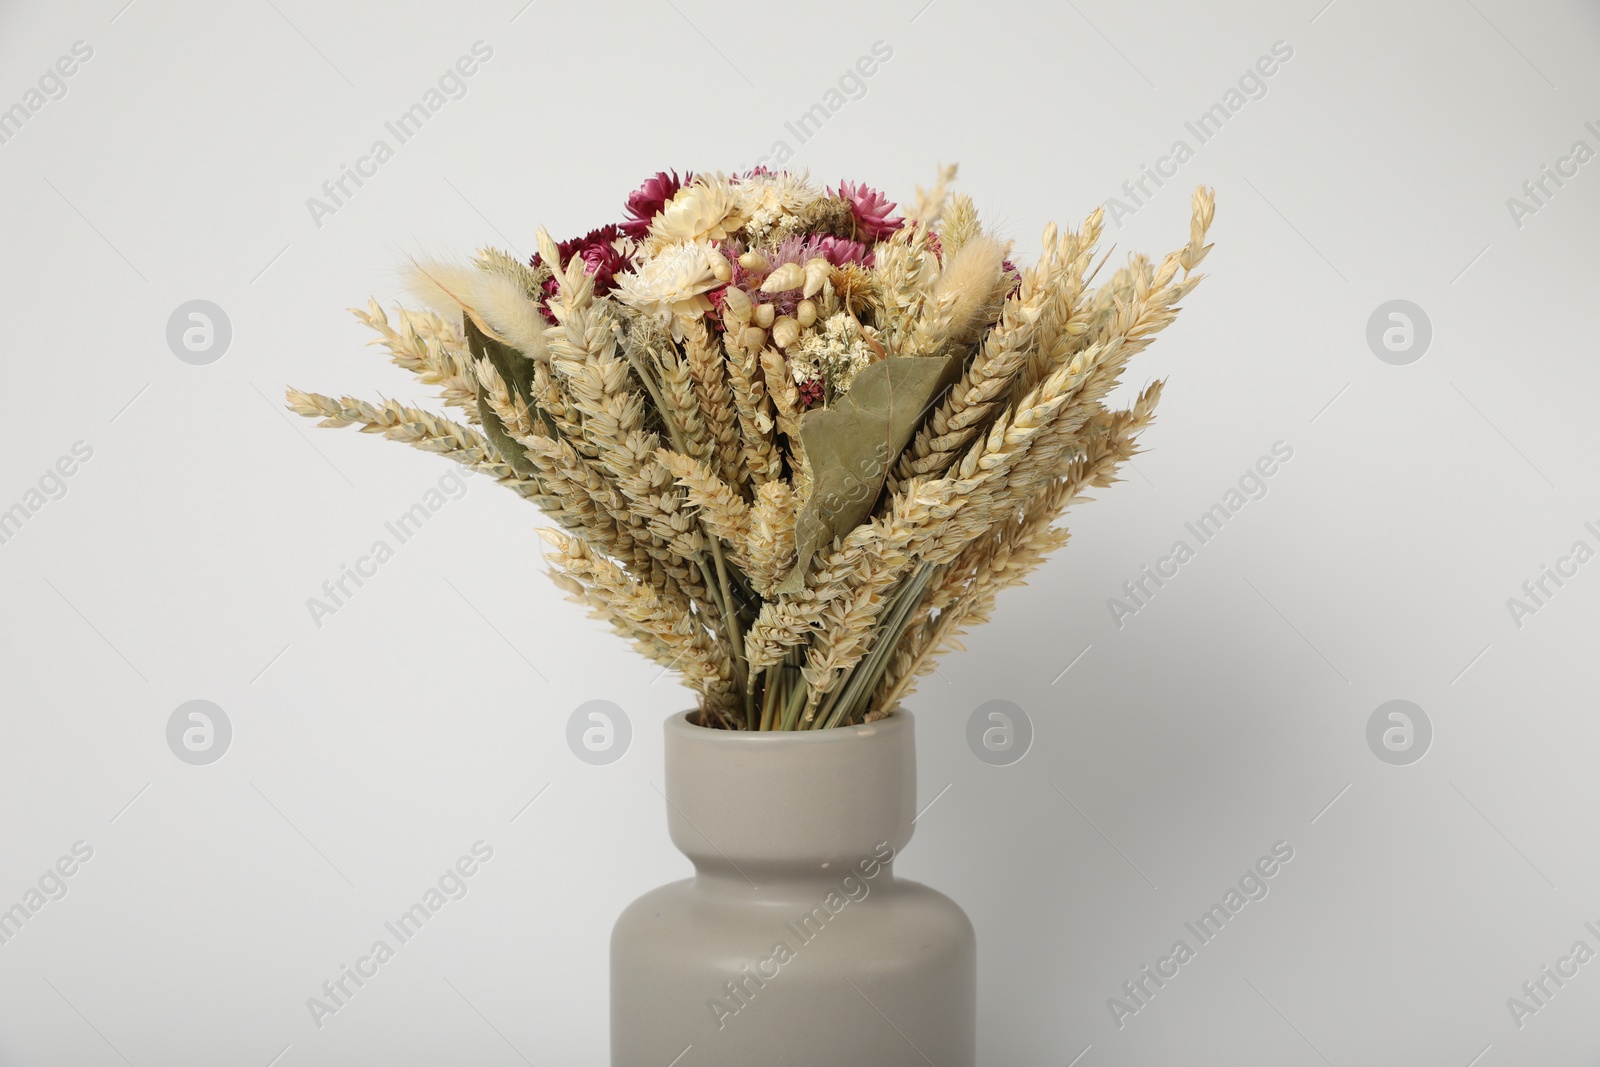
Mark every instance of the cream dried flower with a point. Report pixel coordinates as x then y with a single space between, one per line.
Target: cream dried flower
771 204
705 210
671 283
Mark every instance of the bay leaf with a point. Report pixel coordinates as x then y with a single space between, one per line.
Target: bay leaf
514 369
853 444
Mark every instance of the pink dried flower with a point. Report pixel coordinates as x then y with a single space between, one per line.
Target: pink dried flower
811 391
836 250
646 202
597 249
871 209
719 300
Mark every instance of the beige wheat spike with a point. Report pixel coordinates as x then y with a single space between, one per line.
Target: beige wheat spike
848 625
756 421
511 410
1127 330
964 594
707 366
430 347
1062 329
724 513
959 224
903 272
918 516
929 203
988 472
785 397
681 405
1130 310
654 498
604 515
502 262
988 377
770 550
599 381
665 630
420 429
555 404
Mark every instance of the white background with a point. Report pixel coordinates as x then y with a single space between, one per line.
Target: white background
372 751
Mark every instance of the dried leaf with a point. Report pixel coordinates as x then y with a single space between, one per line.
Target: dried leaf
852 445
512 367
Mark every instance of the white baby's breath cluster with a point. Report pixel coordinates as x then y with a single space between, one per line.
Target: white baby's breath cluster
836 352
700 397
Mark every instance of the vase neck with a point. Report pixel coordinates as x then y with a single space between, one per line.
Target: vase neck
814 805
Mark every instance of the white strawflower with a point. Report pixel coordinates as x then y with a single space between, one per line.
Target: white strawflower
673 281
704 210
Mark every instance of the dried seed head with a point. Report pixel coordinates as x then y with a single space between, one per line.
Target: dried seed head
721 269
788 276
754 338
855 286
816 272
755 262
764 315
806 313
737 301
785 331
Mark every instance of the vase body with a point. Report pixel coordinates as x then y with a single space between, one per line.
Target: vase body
794 943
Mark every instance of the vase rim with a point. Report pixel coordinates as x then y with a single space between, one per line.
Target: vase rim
681 725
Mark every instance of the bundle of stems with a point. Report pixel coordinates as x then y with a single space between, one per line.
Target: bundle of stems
795 445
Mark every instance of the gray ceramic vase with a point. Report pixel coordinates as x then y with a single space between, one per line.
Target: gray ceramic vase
794 943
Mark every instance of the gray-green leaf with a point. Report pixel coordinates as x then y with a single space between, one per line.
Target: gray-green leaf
852 445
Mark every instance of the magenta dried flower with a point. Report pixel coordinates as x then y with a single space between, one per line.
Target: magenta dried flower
646 202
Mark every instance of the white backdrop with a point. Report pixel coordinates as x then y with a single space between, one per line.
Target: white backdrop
1384 158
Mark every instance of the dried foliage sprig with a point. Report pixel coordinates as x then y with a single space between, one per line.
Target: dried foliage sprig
796 444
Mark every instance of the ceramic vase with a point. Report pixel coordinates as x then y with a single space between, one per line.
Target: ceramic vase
794 943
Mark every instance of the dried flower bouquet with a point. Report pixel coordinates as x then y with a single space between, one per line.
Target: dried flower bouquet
795 443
